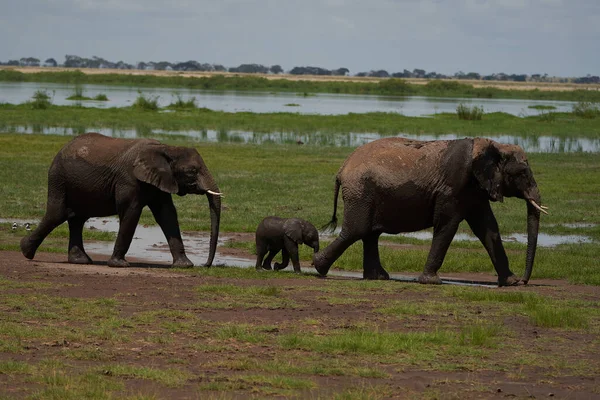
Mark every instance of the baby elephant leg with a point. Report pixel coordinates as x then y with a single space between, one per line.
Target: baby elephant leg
267 262
292 249
285 260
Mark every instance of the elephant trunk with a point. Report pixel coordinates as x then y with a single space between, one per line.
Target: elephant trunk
214 202
533 225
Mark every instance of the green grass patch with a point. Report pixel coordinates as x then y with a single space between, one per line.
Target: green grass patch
100 97
473 113
181 104
586 109
542 107
145 102
322 129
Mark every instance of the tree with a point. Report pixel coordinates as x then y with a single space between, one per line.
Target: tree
276 69
340 72
50 62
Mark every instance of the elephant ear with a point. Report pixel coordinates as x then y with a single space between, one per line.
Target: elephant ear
486 168
292 228
152 166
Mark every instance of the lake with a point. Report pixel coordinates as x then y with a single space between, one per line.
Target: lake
265 102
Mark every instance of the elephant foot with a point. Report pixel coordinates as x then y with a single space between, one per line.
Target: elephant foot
78 256
267 267
118 263
279 267
511 280
182 262
377 277
430 279
27 249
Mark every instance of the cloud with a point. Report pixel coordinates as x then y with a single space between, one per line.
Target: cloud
518 36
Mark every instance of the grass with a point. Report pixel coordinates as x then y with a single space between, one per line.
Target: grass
542 107
100 97
303 181
174 347
181 104
40 100
319 128
464 112
397 87
145 102
586 109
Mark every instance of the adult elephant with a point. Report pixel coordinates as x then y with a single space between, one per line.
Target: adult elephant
398 185
96 176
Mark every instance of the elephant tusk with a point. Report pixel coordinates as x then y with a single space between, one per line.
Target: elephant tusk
215 193
544 207
533 203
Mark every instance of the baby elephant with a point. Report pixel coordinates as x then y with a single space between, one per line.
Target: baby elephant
285 234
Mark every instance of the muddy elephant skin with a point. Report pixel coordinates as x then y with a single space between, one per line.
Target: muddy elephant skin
96 176
395 185
276 234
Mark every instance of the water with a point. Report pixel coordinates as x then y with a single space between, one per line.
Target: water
531 144
264 102
149 242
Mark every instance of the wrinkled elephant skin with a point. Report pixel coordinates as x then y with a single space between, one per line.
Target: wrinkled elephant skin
395 185
96 176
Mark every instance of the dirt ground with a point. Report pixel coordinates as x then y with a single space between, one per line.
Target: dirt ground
509 85
145 286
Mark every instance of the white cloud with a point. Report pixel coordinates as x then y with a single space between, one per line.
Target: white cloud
525 36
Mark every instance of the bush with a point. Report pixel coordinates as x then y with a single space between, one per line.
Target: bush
149 103
40 100
465 112
101 97
586 109
395 86
181 104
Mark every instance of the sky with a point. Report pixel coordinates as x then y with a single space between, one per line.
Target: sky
556 37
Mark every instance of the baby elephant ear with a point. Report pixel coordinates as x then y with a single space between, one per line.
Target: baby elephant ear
152 166
292 228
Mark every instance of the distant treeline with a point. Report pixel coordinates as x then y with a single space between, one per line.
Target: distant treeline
73 61
392 86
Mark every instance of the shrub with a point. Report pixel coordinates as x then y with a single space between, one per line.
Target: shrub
101 97
395 86
465 112
40 100
149 103
586 109
181 104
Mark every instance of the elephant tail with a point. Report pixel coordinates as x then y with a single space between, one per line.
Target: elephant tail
331 225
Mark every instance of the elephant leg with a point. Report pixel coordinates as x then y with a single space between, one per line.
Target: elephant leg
128 220
267 263
165 215
77 254
324 259
443 233
292 248
261 251
56 214
372 268
484 225
285 260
